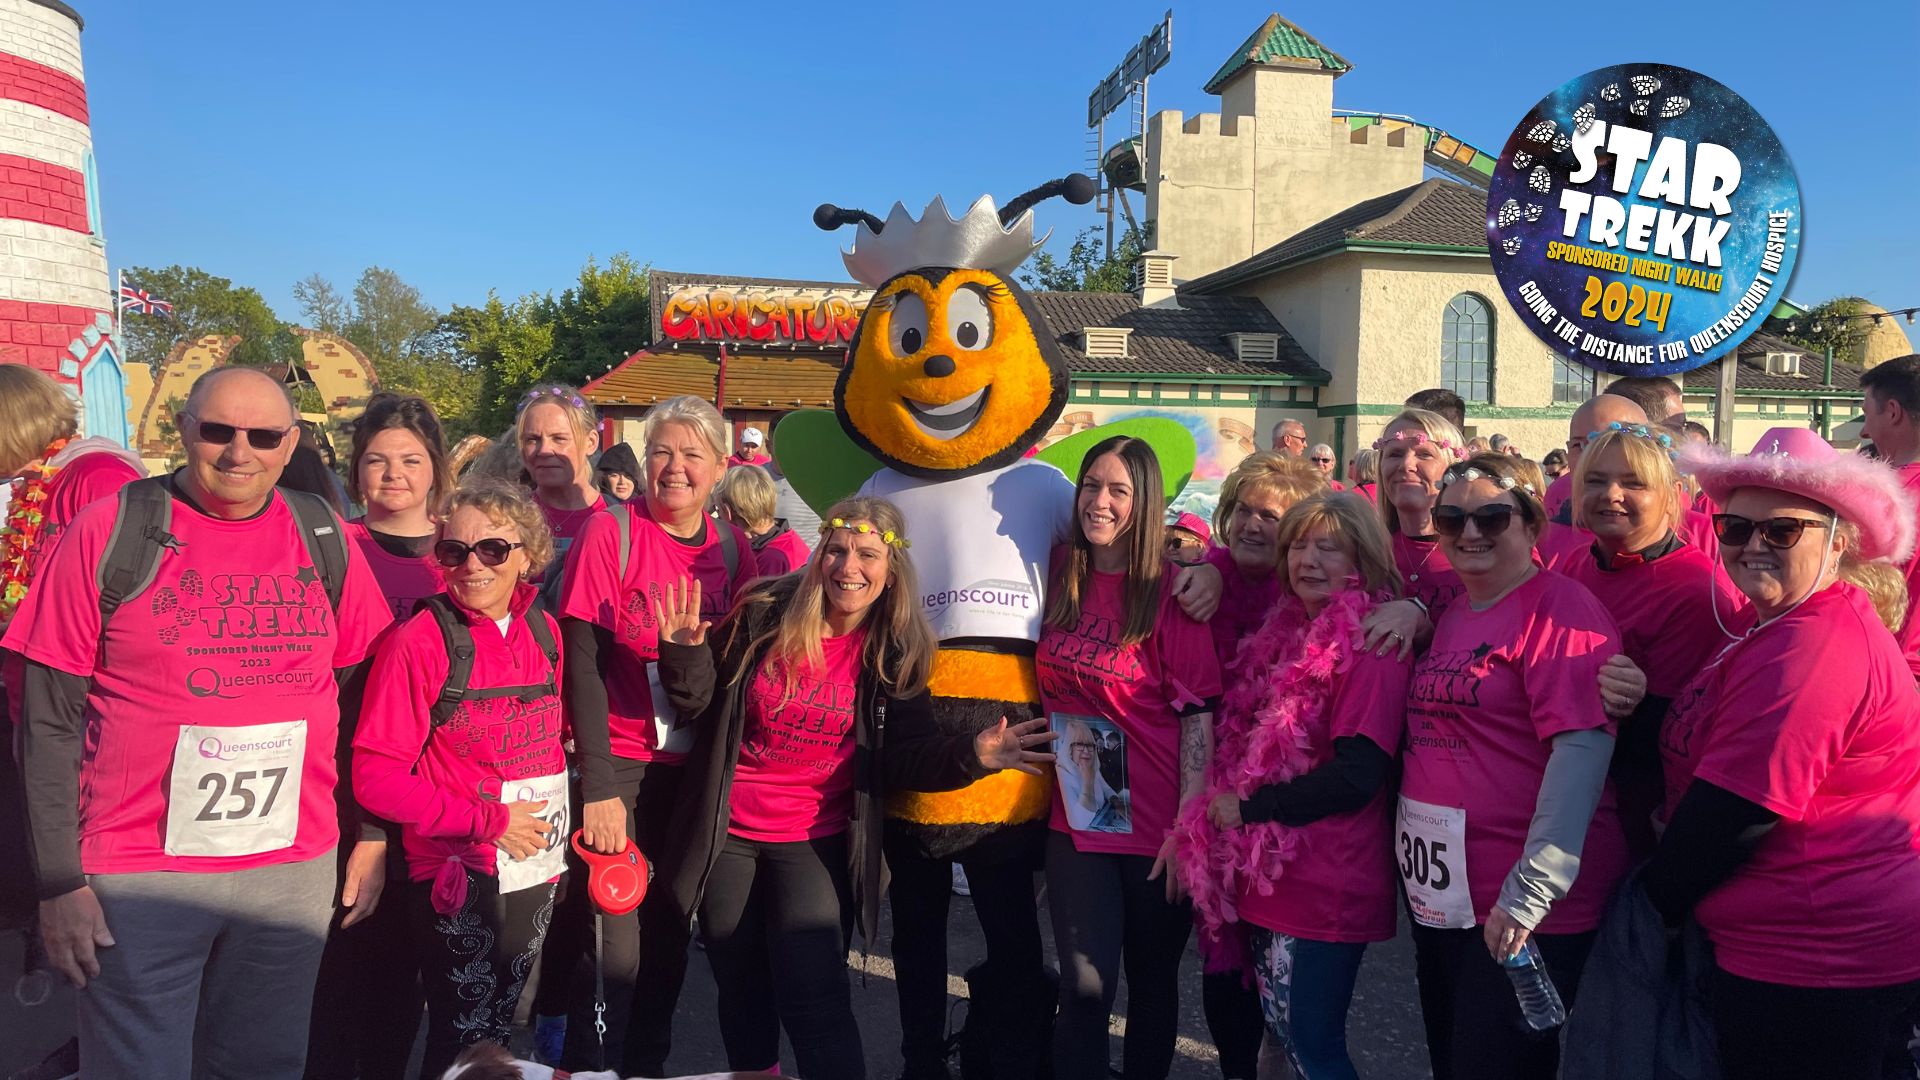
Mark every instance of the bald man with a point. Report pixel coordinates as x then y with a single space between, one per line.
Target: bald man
1592 415
179 750
1563 540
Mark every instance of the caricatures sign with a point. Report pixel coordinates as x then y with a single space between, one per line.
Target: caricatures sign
757 312
1643 219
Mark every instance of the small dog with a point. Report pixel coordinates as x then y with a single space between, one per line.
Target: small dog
491 1061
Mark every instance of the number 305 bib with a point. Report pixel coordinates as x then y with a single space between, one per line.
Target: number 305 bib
235 790
1430 848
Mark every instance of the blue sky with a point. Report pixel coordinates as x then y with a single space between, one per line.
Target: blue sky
490 145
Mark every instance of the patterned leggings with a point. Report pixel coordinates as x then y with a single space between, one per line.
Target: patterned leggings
474 963
1305 988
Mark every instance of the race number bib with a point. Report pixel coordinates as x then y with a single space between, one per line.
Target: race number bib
235 790
544 865
668 733
1430 847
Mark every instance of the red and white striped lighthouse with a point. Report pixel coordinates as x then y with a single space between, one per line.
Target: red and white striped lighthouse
56 305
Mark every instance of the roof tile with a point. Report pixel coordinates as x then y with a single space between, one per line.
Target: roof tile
1278 42
1189 339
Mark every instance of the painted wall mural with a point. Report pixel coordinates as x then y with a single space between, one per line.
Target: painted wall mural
1221 437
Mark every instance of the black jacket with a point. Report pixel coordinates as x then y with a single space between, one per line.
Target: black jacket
896 746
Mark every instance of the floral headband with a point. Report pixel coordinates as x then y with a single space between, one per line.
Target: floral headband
1470 474
866 528
1639 431
1417 438
560 392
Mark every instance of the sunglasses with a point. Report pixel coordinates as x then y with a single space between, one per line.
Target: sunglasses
492 551
1778 533
258 438
1491 520
1322 460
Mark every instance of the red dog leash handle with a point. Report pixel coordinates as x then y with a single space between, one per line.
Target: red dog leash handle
616 883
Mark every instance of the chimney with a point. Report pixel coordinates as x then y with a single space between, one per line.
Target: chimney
1153 277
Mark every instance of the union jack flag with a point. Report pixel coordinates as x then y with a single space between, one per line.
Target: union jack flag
140 302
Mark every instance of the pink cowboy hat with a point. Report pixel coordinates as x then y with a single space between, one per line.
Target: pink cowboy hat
1859 490
1194 524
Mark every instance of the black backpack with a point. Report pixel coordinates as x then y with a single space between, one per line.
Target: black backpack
458 638
623 524
140 540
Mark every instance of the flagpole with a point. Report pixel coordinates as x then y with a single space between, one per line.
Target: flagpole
120 314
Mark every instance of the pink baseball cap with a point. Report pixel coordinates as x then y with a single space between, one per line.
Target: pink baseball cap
1194 524
1859 490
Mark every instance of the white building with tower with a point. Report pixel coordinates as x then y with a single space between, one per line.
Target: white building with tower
56 300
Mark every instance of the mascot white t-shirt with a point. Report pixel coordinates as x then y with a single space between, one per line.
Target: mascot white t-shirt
981 545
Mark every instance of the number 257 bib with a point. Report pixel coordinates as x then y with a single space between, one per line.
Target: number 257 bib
235 790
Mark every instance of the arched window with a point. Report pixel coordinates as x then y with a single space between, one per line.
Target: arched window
1466 348
1572 381
91 176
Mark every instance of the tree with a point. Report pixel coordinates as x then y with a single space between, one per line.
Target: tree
1087 267
205 304
321 305
1844 335
509 345
601 321
389 315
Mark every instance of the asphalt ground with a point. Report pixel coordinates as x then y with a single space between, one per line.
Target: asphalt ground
1383 1028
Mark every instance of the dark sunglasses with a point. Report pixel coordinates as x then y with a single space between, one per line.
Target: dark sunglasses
258 438
492 551
1778 533
1491 520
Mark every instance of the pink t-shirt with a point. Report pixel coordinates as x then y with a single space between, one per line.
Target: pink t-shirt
1909 635
1816 718
448 797
1340 884
749 457
1558 493
794 780
405 582
1561 546
567 525
1244 604
1369 492
1427 573
1137 692
783 554
594 591
205 645
1664 610
78 484
1494 687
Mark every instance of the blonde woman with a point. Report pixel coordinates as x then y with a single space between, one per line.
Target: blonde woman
480 795
631 737
815 698
747 498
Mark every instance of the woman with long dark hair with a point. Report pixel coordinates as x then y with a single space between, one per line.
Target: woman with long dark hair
1119 660
398 470
815 706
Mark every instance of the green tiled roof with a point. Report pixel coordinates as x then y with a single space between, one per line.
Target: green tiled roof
1278 42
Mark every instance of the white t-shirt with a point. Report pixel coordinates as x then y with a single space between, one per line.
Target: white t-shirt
981 544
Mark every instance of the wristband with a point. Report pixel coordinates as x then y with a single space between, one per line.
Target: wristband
1421 604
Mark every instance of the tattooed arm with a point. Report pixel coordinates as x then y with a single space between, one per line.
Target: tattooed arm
1196 751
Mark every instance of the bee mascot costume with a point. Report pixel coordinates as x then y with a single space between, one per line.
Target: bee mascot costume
951 380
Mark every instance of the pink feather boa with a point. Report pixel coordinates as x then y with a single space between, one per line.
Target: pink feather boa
1272 727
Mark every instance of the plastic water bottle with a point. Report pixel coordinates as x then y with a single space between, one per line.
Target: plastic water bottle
1539 1001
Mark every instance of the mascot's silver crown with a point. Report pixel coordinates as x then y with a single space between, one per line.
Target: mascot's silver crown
974 241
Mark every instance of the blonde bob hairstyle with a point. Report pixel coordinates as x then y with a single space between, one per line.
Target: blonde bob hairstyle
34 412
696 413
895 625
1351 521
1283 476
507 504
1649 461
1366 466
749 493
1438 429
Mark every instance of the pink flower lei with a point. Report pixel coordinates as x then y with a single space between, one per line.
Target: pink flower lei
1272 727
1454 451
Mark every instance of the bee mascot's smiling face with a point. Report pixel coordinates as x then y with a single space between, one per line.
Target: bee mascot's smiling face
952 372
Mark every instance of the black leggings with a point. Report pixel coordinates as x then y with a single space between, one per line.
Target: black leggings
1232 1005
1767 1030
776 920
1002 893
1106 913
640 1004
474 963
366 1000
1472 1016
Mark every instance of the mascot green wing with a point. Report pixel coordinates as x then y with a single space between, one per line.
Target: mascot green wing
822 464
1171 441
